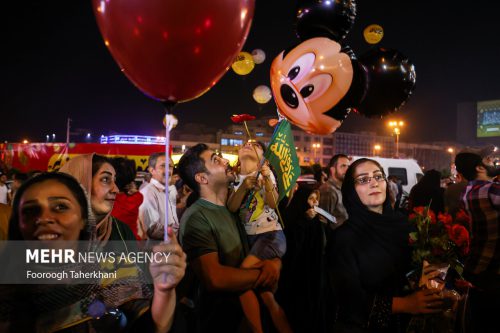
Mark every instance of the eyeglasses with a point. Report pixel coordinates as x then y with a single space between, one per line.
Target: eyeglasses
367 180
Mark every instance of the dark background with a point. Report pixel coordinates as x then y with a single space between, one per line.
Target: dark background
55 65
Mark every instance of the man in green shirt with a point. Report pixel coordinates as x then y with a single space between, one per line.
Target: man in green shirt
215 243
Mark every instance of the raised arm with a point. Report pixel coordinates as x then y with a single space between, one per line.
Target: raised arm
166 274
236 197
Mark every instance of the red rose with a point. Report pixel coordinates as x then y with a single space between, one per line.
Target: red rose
459 235
419 210
239 118
446 219
462 284
463 218
431 214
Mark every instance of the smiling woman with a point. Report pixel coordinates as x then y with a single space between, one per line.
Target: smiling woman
48 207
97 175
53 206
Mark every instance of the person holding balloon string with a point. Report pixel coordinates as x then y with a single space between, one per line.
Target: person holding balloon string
254 198
54 209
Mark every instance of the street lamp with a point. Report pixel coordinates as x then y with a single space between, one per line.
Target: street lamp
315 147
452 157
376 149
396 129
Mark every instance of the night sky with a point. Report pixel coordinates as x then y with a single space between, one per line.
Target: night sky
55 65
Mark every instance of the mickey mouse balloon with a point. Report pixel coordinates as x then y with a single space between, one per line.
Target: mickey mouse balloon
309 81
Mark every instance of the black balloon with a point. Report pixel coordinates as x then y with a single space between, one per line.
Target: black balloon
356 92
325 18
390 79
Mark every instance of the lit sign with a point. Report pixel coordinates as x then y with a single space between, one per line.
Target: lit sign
133 139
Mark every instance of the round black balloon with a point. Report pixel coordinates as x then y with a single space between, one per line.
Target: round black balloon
325 18
390 80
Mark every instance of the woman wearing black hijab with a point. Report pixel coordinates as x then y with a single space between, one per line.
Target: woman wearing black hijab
302 289
369 255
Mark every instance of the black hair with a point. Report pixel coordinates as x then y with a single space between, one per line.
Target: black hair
190 164
21 176
466 164
349 178
262 146
349 175
334 160
67 180
125 172
98 161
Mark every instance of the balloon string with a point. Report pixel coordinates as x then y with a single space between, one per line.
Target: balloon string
251 194
169 106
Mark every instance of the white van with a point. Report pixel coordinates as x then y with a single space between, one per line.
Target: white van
407 170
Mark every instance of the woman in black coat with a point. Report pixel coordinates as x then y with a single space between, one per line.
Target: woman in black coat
303 285
369 255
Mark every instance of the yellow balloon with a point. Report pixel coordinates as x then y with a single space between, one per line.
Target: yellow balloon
262 94
243 64
373 33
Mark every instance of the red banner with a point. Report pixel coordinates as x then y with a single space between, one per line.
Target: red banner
51 156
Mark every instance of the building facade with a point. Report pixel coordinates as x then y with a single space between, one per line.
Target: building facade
315 149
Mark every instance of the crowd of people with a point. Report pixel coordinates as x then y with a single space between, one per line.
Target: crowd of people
330 257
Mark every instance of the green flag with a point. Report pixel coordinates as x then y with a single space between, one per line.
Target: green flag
282 156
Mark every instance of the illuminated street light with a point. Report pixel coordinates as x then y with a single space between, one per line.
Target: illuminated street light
25 141
452 155
376 149
315 147
396 129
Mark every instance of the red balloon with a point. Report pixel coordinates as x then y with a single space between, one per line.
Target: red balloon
174 50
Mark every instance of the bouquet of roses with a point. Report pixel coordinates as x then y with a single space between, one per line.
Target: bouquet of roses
440 243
